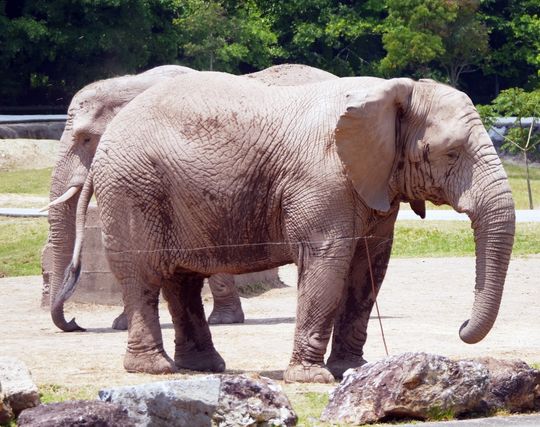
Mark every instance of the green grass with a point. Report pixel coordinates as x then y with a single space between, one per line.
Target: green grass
309 406
518 183
52 393
36 182
454 238
22 240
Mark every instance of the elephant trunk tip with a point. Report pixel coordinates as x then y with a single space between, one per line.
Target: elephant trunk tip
57 309
468 336
71 326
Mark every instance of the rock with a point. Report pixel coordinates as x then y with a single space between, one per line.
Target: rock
76 413
6 413
18 389
188 402
408 386
513 386
225 400
247 401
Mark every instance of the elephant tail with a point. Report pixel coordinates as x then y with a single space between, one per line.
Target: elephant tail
73 271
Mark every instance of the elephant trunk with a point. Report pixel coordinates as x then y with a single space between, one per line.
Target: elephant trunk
62 237
66 280
494 226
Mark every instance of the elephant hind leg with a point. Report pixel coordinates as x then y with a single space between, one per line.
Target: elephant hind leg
227 305
145 352
194 348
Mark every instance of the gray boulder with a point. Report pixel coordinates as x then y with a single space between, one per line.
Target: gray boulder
17 388
224 400
77 413
408 386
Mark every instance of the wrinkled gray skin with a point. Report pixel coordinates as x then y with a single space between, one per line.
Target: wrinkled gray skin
226 175
89 113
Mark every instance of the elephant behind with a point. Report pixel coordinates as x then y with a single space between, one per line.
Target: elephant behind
227 175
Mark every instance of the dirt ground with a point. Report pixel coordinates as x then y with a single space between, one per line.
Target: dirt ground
423 302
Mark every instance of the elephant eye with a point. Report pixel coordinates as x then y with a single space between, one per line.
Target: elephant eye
86 140
452 155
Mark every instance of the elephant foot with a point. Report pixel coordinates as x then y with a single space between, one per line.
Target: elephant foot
156 362
339 365
226 315
307 373
120 323
207 361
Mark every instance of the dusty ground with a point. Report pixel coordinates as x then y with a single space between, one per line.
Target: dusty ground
423 303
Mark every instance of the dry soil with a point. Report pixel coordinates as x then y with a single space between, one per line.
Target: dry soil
423 302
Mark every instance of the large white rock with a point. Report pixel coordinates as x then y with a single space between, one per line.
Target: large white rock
17 390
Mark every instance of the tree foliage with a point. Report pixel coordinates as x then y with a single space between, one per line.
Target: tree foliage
50 48
422 35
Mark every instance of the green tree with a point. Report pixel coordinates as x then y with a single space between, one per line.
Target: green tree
514 27
49 49
337 36
219 35
516 102
426 37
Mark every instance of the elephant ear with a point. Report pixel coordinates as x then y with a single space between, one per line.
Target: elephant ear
366 138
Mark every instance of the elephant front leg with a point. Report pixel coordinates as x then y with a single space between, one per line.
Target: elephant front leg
145 351
194 348
350 327
227 306
320 285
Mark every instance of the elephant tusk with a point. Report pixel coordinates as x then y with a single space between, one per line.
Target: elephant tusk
71 191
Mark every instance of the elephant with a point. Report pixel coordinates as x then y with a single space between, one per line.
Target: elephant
89 113
211 173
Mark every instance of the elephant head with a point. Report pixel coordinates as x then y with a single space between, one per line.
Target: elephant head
425 141
89 113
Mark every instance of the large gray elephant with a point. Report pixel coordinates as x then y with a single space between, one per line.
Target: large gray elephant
89 113
209 173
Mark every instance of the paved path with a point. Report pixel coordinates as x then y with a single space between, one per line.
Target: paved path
433 215
514 421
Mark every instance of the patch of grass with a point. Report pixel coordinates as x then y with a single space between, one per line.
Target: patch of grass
309 406
436 413
52 393
518 184
22 241
535 366
36 181
454 238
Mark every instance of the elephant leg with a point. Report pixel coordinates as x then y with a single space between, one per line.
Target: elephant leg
321 280
350 326
145 351
120 323
194 348
227 306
